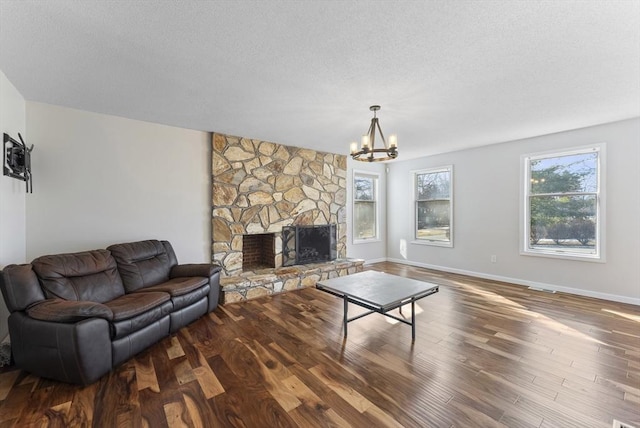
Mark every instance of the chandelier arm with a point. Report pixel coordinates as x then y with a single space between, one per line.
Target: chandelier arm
372 133
381 134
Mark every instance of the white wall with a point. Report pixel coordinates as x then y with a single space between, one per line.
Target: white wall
12 191
102 179
374 250
486 215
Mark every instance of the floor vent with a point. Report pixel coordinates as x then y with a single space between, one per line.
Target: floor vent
618 424
546 290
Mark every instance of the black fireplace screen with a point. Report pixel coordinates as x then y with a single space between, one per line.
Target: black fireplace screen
308 244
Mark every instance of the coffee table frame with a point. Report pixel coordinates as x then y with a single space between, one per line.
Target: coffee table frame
378 308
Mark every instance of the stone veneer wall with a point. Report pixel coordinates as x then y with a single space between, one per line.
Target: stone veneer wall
259 187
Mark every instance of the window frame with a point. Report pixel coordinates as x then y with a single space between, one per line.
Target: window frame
426 241
600 198
376 201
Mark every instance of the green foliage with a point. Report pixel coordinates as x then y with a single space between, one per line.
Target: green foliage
560 217
558 232
537 232
555 179
583 230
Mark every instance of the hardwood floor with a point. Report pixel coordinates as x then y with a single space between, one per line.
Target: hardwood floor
486 354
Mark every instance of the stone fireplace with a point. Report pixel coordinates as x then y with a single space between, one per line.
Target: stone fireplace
259 188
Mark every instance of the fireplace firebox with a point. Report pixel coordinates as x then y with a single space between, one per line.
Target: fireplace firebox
308 244
258 251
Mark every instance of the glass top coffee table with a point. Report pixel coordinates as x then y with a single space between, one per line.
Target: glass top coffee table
379 292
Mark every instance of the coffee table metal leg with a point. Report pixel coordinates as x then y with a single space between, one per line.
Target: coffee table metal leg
346 306
413 321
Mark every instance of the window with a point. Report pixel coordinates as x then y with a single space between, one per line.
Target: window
434 206
365 206
563 204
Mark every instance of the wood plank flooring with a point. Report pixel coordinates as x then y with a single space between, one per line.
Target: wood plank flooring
487 354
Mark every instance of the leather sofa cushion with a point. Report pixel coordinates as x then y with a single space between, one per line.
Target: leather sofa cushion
183 291
90 276
142 264
59 310
187 299
179 286
133 312
130 305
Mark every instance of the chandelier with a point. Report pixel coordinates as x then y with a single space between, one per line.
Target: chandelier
368 152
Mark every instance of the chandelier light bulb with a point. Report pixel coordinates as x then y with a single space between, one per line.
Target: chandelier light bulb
393 141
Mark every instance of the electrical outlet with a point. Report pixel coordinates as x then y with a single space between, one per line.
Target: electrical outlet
494 258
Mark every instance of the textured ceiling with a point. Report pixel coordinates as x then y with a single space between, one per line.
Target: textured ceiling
448 74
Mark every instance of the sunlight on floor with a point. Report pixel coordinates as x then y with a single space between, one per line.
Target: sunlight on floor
539 318
489 294
635 318
406 313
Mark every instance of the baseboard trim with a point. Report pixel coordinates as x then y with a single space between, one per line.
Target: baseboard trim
534 284
368 262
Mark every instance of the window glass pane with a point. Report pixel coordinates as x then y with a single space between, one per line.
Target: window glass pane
564 203
433 185
364 220
364 189
566 223
561 174
433 219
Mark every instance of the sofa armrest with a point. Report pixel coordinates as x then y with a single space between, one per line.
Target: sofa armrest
68 311
195 269
69 352
207 270
20 287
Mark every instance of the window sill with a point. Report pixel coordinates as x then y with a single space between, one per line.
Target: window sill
433 243
592 258
366 241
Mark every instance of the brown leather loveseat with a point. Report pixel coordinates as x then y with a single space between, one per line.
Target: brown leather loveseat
76 316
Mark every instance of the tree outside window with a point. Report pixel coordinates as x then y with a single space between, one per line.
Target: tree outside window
563 203
434 209
365 208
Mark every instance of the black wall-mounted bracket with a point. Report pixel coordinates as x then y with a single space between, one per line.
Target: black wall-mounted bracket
17 160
